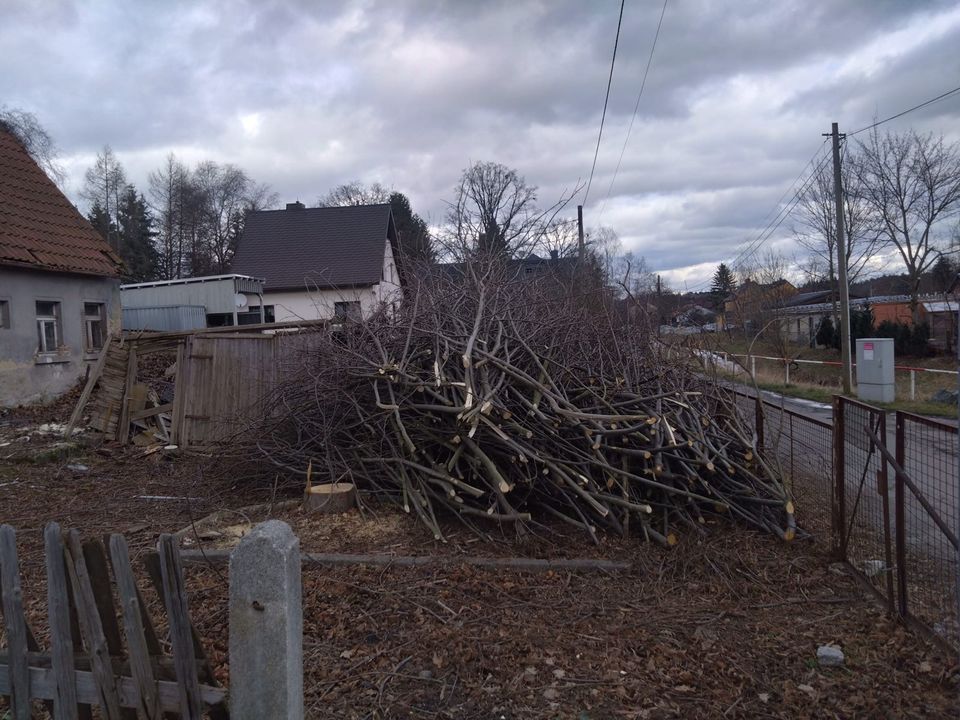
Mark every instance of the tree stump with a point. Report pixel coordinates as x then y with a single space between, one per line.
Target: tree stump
329 498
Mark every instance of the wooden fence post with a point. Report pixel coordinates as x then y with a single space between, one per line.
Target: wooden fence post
266 625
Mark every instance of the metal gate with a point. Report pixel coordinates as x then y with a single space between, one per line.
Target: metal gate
899 538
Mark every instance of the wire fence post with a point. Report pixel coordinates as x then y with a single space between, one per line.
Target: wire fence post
839 493
899 514
758 420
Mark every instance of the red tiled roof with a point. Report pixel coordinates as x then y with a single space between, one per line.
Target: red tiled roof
39 227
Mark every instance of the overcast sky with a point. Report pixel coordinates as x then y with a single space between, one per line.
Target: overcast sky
307 95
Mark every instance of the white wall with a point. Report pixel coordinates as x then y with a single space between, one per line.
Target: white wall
318 304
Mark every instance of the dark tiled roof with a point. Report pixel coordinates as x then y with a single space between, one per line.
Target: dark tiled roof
526 268
39 227
814 297
329 247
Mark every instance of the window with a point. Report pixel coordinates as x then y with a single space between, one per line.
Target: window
4 314
252 315
48 326
219 319
94 326
346 310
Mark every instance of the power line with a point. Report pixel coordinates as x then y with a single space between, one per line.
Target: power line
938 98
780 212
606 99
636 107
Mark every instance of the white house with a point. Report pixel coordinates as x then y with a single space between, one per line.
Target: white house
321 263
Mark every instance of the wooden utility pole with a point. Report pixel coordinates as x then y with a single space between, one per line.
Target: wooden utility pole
841 264
659 306
581 246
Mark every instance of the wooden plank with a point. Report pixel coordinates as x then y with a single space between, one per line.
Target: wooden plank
88 388
179 388
84 710
151 561
123 424
181 631
43 685
219 556
15 623
95 557
92 629
291 325
96 561
58 611
140 666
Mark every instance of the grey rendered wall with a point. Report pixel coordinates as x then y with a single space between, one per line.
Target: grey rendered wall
26 377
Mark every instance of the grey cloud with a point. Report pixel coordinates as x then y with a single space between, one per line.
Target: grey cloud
409 93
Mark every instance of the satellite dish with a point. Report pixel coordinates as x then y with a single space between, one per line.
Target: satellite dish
240 300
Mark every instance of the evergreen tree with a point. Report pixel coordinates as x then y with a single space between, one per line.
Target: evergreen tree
415 245
723 283
101 221
136 233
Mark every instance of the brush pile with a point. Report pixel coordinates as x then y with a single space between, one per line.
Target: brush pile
509 399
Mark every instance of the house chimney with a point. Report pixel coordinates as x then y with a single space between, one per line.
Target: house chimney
295 205
554 254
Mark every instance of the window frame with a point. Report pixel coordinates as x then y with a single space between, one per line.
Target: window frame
87 319
54 319
342 311
6 320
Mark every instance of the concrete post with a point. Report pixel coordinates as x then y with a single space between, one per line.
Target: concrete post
266 625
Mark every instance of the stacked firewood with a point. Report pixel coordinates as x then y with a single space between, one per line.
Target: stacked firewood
494 398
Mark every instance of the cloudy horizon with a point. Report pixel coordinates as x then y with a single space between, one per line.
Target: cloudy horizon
306 96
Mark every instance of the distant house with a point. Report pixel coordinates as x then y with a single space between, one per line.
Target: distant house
321 263
748 305
694 315
530 268
59 283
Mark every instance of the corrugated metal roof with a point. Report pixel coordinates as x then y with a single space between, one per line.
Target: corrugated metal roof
940 306
300 248
39 227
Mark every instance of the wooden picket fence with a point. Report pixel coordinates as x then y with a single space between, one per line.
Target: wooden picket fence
85 665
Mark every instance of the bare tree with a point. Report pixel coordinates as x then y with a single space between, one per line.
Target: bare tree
25 127
224 192
355 193
495 212
912 184
169 195
104 184
816 229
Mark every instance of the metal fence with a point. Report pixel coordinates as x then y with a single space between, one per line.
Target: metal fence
926 497
884 489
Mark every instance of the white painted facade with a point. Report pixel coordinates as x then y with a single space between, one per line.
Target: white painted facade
317 304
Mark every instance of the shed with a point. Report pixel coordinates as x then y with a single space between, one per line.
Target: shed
225 300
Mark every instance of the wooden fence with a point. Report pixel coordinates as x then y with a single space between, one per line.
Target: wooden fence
85 665
209 386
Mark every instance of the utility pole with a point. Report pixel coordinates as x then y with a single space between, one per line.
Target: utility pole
841 264
581 246
659 295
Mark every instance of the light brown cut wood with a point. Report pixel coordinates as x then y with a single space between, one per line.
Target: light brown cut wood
329 498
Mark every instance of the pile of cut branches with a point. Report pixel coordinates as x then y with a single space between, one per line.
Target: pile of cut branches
509 399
